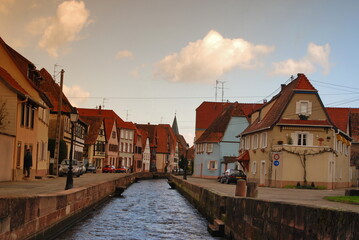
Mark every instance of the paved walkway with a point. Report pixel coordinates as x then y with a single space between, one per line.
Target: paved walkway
295 196
52 185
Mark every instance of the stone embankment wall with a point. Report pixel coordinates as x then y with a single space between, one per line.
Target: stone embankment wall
45 215
249 218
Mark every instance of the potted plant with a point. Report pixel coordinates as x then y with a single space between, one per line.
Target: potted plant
289 140
303 117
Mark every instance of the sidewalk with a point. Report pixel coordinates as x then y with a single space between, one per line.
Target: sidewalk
295 196
52 185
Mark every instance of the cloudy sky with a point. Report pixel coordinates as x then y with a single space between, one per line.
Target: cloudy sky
150 59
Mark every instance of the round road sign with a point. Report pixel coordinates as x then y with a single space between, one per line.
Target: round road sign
276 163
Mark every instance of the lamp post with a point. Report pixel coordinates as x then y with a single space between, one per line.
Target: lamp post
69 180
185 164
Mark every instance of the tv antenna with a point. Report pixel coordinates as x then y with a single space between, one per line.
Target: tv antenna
220 87
56 73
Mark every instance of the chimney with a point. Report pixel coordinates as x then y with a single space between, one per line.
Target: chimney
264 101
99 109
282 86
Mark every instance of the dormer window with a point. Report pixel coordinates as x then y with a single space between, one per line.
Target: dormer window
304 108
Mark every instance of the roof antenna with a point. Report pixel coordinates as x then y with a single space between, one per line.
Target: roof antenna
103 102
55 73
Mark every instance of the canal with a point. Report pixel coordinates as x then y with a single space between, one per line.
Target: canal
148 210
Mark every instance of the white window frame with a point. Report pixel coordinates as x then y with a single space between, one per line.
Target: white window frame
254 167
209 147
255 141
264 140
299 109
300 139
212 167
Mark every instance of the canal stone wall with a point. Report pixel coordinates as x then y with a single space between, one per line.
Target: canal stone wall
249 218
45 215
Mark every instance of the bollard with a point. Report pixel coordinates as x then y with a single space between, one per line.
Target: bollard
252 190
241 188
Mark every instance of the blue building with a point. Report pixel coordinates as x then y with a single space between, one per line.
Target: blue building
217 148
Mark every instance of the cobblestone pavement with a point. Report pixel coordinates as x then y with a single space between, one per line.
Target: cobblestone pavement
294 196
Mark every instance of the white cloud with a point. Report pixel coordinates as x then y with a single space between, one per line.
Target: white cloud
124 54
207 59
5 5
316 56
76 95
71 17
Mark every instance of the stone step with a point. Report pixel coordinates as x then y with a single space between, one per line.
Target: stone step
220 225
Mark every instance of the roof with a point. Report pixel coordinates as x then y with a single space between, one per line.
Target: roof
341 117
108 127
354 126
144 137
280 102
94 124
52 90
105 113
207 112
175 126
165 136
11 82
215 132
151 132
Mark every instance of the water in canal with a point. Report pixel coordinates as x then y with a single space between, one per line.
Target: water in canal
148 210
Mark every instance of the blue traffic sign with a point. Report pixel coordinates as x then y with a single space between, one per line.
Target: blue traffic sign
276 163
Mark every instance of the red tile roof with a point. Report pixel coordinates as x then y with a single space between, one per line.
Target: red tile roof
108 127
207 112
11 82
165 138
105 113
339 117
354 126
52 90
215 132
281 100
94 124
244 156
144 135
151 133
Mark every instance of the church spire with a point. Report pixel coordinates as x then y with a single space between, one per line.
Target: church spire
175 125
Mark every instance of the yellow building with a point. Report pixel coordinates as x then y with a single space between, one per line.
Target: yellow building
291 139
26 109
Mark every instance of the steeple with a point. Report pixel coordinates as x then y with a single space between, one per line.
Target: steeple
175 125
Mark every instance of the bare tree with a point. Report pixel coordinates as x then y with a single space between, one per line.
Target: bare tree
3 114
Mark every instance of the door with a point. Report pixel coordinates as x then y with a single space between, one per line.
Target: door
262 173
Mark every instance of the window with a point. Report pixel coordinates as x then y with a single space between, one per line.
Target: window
255 141
264 140
113 134
212 165
210 147
18 159
304 107
248 142
126 147
254 167
302 139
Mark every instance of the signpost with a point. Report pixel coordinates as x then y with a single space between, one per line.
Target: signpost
276 157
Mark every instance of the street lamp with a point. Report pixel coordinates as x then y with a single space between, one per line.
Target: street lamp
185 164
74 116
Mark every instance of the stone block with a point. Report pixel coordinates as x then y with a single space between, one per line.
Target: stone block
17 212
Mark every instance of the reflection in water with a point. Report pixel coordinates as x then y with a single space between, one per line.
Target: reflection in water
149 210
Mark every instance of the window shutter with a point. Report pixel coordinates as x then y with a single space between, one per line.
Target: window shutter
309 107
209 165
297 107
310 139
215 165
294 138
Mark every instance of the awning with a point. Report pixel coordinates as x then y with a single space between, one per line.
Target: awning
229 159
244 156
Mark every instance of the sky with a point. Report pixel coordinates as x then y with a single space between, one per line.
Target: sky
150 60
